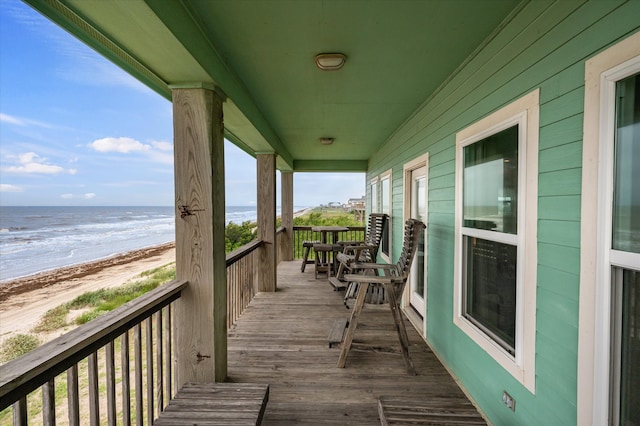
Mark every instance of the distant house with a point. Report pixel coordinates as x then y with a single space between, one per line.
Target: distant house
356 203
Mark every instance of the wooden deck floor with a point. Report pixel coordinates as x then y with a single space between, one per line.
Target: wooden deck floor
282 340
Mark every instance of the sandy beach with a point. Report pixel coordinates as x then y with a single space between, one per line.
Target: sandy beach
23 301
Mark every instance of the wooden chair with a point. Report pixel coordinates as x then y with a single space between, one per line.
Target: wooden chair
360 251
393 280
307 245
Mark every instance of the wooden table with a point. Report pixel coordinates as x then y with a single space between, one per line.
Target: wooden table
333 230
324 232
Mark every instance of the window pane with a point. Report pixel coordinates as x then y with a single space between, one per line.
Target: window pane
374 198
491 182
384 196
626 199
490 289
385 202
630 351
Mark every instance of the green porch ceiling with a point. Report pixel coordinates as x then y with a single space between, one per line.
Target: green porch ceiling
261 55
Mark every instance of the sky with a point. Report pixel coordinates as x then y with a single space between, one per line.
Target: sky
77 130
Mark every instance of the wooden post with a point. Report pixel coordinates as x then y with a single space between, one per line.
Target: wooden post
267 221
201 311
286 181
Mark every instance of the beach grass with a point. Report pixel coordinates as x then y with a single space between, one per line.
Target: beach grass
18 345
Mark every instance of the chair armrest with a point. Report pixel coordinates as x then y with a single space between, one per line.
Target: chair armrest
386 266
372 279
350 243
358 248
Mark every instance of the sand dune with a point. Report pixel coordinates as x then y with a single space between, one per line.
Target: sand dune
23 301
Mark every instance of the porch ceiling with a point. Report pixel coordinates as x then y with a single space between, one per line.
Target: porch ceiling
261 55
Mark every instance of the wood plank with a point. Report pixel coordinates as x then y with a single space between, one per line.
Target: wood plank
281 340
73 402
110 365
94 395
49 403
337 331
125 377
216 403
337 284
407 410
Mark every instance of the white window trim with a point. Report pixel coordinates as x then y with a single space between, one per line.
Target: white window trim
525 112
601 73
388 175
416 163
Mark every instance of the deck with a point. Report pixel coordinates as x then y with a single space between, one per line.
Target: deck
282 340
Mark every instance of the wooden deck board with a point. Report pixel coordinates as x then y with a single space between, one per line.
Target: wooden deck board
282 340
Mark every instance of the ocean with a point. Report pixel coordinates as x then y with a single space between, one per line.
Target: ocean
37 239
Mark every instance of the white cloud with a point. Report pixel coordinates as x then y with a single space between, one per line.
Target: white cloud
5 187
67 196
32 163
162 146
21 121
123 145
157 151
89 195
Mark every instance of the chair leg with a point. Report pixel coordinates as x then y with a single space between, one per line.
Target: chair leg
400 328
305 258
353 323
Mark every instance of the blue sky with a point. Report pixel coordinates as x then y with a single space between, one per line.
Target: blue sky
77 130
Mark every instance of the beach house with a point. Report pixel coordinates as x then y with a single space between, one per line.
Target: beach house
511 128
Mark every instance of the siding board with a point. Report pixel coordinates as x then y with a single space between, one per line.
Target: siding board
559 208
561 233
562 283
560 157
544 45
562 107
561 182
559 257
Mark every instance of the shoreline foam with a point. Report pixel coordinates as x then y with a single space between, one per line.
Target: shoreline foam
45 279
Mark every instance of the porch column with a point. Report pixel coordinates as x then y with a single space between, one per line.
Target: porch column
267 221
200 318
286 183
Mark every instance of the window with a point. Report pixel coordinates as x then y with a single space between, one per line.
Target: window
609 321
490 186
373 186
385 207
496 222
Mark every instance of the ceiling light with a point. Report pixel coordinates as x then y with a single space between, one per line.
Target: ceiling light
330 61
326 141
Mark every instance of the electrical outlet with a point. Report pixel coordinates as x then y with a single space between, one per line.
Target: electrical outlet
508 401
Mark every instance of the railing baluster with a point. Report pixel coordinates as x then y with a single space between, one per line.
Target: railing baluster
20 412
94 397
49 403
21 377
73 400
111 383
149 338
168 337
159 362
137 345
126 382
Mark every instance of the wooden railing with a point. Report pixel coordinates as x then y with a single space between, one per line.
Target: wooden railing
88 353
75 364
304 233
242 279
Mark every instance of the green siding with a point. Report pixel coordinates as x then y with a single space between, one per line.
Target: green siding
545 45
